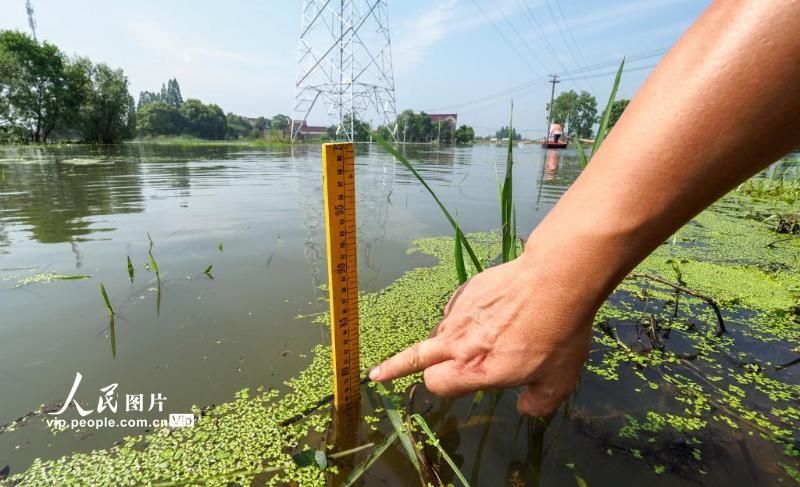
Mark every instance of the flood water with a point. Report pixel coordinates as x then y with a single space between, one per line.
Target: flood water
256 216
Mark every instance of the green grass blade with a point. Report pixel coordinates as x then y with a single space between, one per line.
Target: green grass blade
359 471
154 264
461 269
399 426
506 195
208 269
602 131
581 153
130 268
107 301
436 443
474 258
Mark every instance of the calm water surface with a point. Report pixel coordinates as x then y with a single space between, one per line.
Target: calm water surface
197 341
256 216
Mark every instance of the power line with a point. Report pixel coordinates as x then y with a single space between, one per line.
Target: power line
534 23
615 62
519 36
561 33
574 42
502 34
609 73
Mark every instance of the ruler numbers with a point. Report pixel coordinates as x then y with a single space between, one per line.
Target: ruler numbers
340 215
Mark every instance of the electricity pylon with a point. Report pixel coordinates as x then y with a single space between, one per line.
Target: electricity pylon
345 61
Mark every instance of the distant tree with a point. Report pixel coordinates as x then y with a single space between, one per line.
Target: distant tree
237 127
464 135
576 111
415 127
617 108
445 131
262 124
384 132
203 121
503 133
146 97
108 113
35 88
158 118
172 95
281 123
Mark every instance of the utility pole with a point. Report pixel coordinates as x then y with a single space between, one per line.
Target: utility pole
553 80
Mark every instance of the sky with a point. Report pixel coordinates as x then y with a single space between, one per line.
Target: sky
470 57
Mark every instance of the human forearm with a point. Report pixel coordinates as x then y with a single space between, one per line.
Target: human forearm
724 103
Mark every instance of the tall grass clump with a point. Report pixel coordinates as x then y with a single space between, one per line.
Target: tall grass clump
785 187
602 130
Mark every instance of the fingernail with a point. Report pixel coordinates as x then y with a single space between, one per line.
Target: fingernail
375 373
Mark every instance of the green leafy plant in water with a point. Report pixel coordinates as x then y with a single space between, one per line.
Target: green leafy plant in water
207 272
154 265
433 440
473 257
130 269
602 130
507 218
106 300
461 268
396 419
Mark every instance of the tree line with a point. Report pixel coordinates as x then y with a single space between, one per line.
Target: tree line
418 127
46 95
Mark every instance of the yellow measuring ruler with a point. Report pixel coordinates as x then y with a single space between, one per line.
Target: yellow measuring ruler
338 185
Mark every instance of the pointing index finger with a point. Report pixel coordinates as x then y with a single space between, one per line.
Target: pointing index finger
415 358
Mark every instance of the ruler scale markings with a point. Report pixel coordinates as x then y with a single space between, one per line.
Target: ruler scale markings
338 170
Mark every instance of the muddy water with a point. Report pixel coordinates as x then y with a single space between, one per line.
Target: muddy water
255 216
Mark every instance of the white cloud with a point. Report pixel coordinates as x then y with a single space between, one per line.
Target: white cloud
153 36
420 33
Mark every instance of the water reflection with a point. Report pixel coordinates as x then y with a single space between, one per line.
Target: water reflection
54 201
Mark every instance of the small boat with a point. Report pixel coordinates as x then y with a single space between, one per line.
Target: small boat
554 145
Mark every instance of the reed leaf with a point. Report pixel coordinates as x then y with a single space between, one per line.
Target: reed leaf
107 301
374 455
154 265
461 268
581 153
406 439
602 130
388 147
507 199
130 268
434 441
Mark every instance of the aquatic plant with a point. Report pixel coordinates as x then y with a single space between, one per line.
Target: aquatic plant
507 213
106 300
130 269
389 148
433 440
602 130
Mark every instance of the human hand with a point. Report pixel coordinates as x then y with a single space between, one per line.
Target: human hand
517 324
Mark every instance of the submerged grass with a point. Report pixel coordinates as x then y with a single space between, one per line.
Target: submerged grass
106 300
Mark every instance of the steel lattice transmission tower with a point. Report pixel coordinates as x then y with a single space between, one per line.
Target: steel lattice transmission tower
345 62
